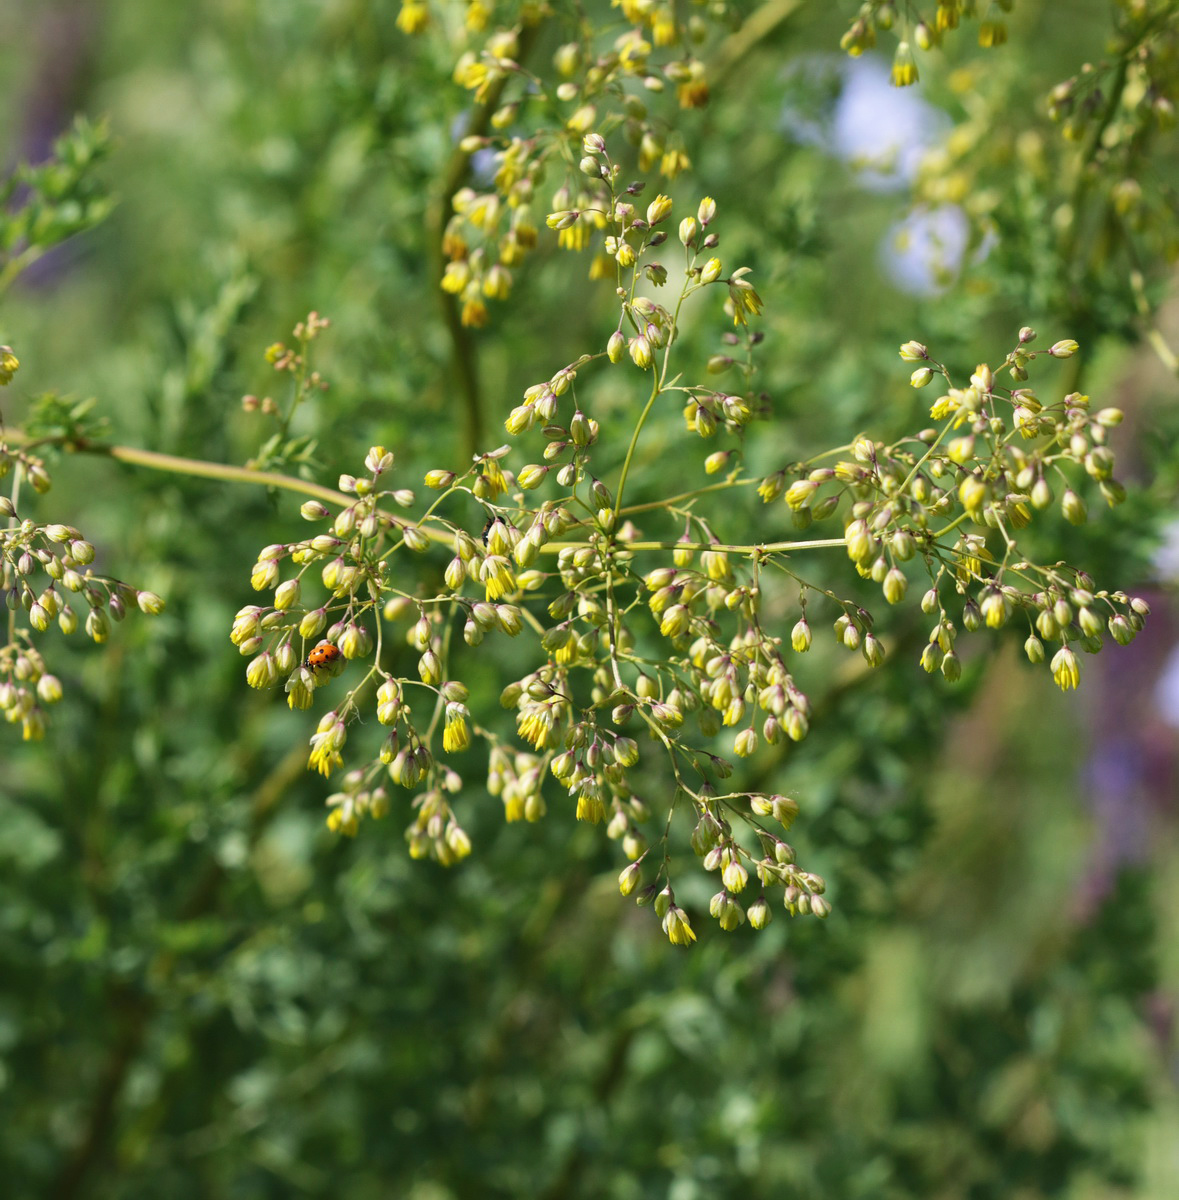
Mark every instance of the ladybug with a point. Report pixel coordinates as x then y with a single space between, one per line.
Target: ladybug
323 655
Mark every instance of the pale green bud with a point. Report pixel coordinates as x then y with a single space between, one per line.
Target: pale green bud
798 494
1073 507
150 603
626 751
429 668
872 650
800 636
264 575
640 351
895 585
262 671
972 492
415 539
531 476
286 595
745 743
312 623
98 627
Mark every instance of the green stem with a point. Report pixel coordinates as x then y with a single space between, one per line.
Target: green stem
718 547
16 266
208 470
634 442
174 464
1158 343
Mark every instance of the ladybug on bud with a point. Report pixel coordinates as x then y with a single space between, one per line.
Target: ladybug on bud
324 655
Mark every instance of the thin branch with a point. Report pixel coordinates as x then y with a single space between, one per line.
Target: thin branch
1158 343
755 29
176 465
209 470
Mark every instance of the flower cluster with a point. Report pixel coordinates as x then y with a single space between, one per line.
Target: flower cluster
563 569
41 568
675 641
493 227
282 450
921 31
954 499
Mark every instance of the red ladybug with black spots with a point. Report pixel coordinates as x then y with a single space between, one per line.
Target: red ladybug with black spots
324 655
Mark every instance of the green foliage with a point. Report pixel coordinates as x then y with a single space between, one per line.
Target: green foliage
41 206
211 994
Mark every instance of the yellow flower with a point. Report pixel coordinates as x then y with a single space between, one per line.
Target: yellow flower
693 93
745 299
474 313
944 406
457 840
677 927
455 734
9 364
493 474
497 283
478 13
633 51
904 66
716 566
659 209
413 17
536 724
326 744
574 237
343 818
640 352
602 267
663 26
456 276
798 494
589 803
469 72
637 12
673 163
1066 671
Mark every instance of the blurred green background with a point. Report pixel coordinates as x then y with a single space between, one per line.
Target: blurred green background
205 994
